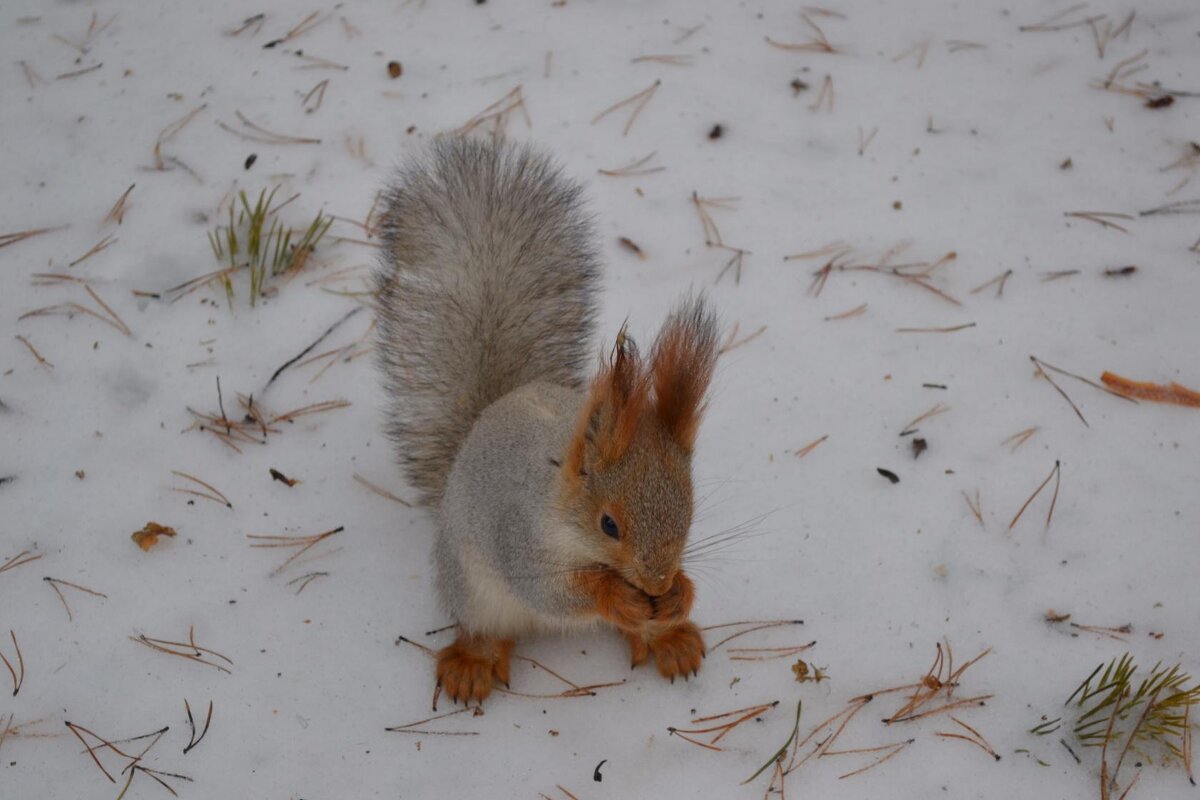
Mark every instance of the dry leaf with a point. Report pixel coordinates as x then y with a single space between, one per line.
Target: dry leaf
147 537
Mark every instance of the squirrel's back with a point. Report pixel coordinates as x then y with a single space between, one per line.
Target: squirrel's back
486 284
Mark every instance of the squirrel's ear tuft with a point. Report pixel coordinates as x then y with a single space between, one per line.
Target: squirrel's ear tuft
618 398
682 364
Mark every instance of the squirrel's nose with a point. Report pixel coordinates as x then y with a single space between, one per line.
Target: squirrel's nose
657 585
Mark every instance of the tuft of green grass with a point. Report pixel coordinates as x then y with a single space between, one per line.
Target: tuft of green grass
256 240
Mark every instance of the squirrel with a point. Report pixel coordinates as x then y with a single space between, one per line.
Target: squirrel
560 499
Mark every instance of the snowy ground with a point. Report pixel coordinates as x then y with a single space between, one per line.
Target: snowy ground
946 129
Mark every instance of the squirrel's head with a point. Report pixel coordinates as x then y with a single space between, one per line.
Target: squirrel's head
628 469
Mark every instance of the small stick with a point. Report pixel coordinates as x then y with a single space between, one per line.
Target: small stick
309 349
808 448
640 99
18 674
1054 473
1062 273
43 362
16 561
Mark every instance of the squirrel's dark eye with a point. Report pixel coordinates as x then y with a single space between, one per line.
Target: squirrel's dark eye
609 526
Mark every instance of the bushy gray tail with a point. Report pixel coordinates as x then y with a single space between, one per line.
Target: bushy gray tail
486 283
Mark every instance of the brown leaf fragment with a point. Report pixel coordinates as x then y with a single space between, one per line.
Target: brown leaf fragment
279 476
147 537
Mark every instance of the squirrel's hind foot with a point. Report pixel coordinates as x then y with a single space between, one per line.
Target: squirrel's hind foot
467 669
678 651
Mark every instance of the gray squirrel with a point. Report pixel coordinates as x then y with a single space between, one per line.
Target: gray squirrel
561 499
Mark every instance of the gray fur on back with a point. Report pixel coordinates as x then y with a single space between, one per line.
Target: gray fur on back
486 284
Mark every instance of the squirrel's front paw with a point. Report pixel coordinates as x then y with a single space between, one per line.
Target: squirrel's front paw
616 599
467 669
676 604
678 651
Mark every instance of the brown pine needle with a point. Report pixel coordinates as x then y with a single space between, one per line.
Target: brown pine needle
835 249
41 361
12 238
117 212
406 728
1000 279
669 59
217 496
193 740
188 650
498 113
19 560
950 329
819 43
634 168
808 448
898 747
975 505
966 701
170 132
1054 473
75 729
639 101
381 492
1042 373
920 49
854 312
973 741
262 135
317 96
305 543
754 627
1047 277
299 29
1020 438
937 409
18 674
1101 218
1117 633
767 653
825 97
54 583
305 580
730 344
1056 23
96 248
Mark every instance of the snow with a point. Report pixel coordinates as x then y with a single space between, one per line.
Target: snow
966 159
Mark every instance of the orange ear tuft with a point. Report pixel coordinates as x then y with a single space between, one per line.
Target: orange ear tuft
618 398
682 364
